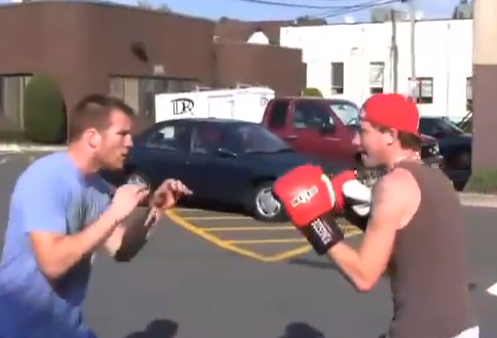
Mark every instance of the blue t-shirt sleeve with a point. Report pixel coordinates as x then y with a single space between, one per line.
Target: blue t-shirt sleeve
41 203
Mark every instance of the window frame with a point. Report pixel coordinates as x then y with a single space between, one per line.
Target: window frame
151 145
421 99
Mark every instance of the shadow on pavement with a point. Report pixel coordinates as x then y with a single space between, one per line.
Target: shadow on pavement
159 328
301 330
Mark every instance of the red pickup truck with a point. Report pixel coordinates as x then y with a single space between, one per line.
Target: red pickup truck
325 128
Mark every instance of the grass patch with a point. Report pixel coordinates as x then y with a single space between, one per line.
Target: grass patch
482 181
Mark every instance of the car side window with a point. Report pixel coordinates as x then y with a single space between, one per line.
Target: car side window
207 139
171 137
278 114
310 115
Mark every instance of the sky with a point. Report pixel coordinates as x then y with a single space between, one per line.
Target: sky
253 10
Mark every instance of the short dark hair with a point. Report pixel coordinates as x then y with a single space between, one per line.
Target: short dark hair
93 111
407 141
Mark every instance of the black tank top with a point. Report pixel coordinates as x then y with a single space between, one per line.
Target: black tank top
429 270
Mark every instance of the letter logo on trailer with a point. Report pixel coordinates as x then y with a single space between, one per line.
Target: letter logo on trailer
182 106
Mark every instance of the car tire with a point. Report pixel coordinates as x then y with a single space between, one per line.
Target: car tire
261 204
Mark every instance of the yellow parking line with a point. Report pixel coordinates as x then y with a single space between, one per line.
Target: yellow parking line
187 210
269 241
290 253
213 239
263 228
215 218
231 245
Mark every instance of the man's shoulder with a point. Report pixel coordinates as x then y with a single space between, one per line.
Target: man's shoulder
49 170
398 186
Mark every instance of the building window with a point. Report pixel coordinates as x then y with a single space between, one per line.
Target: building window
376 76
424 89
12 88
337 75
139 93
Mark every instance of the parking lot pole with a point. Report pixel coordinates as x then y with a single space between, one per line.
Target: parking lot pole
484 84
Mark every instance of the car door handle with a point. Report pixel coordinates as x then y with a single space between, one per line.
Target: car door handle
290 137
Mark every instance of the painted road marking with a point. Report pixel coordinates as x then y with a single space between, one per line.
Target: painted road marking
260 228
233 246
184 210
269 241
4 160
492 290
215 218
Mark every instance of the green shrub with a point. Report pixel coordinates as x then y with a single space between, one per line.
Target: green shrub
312 92
44 111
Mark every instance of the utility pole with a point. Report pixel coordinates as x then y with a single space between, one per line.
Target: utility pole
412 16
395 51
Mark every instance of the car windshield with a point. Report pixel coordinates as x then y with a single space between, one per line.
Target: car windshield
253 138
347 112
449 126
433 126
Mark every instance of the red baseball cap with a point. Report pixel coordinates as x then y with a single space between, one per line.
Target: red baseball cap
392 111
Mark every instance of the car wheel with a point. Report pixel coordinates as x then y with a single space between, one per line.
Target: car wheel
265 207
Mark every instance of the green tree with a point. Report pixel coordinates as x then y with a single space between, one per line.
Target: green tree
312 92
44 111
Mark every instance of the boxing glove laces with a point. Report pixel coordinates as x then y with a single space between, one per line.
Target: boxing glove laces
308 197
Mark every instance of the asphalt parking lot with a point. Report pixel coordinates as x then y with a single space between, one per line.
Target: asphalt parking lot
221 275
245 236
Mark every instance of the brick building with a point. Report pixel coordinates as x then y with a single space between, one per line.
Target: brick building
131 53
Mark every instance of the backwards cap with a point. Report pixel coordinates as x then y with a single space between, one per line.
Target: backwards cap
392 111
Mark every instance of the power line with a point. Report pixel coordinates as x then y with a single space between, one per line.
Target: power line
296 5
352 9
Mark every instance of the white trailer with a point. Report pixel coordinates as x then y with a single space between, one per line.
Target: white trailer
245 104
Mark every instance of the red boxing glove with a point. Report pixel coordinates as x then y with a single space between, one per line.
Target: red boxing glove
309 199
338 181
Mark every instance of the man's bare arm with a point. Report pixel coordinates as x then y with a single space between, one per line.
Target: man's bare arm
56 253
391 200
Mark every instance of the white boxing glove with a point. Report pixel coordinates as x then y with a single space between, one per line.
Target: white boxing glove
359 196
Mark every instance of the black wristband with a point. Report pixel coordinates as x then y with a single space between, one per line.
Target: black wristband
355 219
323 233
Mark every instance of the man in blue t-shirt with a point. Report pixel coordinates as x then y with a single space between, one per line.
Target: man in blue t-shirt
61 212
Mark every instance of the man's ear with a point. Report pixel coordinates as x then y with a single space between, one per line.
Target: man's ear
391 135
93 137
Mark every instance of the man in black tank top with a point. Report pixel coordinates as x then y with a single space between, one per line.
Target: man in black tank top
413 232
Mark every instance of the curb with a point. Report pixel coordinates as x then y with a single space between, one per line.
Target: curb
17 148
478 200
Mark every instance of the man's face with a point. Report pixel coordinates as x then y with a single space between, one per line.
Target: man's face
372 144
115 142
